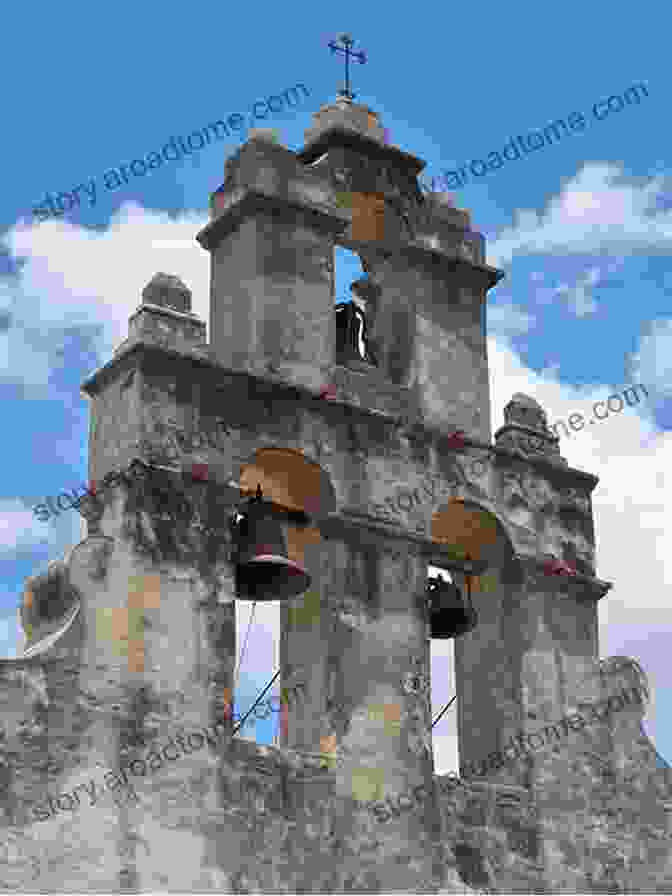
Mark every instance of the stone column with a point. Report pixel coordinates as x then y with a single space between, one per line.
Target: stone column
377 730
157 670
520 670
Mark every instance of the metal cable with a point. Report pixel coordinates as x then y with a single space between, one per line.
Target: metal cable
244 648
256 702
449 704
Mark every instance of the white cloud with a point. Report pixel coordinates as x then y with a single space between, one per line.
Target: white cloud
507 321
73 276
19 527
652 362
592 214
578 297
11 637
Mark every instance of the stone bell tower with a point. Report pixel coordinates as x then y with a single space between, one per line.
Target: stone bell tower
369 433
361 634
275 223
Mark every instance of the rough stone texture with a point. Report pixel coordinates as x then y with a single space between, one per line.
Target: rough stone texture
131 640
168 291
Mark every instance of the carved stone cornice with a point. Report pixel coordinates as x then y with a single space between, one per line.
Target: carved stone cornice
540 464
352 522
578 585
526 441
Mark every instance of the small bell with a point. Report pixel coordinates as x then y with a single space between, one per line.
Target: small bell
351 336
263 569
450 615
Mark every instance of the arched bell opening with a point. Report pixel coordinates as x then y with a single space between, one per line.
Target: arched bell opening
463 569
472 544
284 493
465 536
279 585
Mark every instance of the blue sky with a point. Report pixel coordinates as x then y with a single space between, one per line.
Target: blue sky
583 229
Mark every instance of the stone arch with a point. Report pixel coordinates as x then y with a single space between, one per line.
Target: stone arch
497 543
461 526
302 488
291 478
471 527
295 484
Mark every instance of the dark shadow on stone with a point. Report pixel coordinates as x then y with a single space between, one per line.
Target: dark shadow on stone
471 866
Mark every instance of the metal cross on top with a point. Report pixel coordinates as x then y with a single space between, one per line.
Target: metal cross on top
347 43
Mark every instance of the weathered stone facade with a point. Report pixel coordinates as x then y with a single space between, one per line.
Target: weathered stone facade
131 638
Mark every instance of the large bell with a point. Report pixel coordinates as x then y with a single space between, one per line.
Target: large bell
351 335
450 615
263 569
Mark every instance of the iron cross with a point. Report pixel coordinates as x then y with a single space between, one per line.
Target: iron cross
347 43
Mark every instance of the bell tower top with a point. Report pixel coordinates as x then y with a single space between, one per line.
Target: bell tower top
415 348
348 125
344 115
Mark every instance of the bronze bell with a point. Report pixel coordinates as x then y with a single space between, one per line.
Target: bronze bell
263 569
351 335
450 615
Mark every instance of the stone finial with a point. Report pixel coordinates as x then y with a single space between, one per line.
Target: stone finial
526 431
623 670
526 411
165 319
167 291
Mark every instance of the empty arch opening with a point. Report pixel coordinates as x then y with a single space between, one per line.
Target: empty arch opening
354 309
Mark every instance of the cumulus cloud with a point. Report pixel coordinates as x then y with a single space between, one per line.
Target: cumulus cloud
91 280
596 211
652 361
506 321
578 296
11 637
19 527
